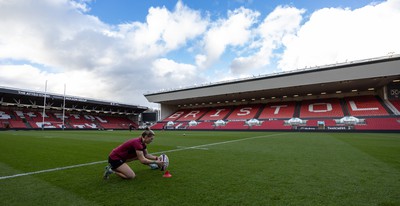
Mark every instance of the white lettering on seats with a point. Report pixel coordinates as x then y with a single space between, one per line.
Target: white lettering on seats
101 120
60 115
31 114
217 113
355 108
245 110
20 114
277 108
88 117
176 115
328 107
192 113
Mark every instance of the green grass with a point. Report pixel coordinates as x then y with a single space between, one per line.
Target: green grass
233 168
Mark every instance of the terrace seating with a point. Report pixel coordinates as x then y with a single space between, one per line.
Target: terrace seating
233 125
216 113
78 121
396 104
190 115
17 124
244 112
321 108
272 125
35 119
278 110
202 126
158 126
112 122
25 118
4 115
380 124
365 106
314 122
175 116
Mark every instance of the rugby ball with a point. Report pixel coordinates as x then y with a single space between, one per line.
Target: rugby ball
164 158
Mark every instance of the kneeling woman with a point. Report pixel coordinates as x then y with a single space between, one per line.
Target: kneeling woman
134 149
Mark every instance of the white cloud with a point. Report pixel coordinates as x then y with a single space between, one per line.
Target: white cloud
60 42
98 60
34 78
335 35
163 31
233 31
280 23
167 68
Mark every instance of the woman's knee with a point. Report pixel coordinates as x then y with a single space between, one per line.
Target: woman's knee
130 176
125 172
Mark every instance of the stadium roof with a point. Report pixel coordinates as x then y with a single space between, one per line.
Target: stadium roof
363 75
35 99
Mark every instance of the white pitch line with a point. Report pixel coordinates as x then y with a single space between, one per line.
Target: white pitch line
51 170
191 148
104 161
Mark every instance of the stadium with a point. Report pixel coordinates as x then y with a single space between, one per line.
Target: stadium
31 110
229 143
199 103
355 96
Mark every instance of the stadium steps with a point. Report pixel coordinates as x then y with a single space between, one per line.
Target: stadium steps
384 105
392 107
297 109
344 107
396 105
203 114
260 111
229 113
28 125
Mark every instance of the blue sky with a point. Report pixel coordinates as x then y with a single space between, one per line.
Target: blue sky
117 50
121 11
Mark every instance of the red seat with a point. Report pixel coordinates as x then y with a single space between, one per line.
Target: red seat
216 113
244 112
365 106
321 108
278 110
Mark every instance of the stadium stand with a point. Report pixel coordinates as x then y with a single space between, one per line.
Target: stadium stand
380 124
336 97
315 114
272 125
175 116
19 110
278 110
365 106
233 125
321 108
203 126
158 126
216 113
244 112
395 104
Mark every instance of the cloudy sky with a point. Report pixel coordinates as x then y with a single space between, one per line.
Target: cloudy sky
117 50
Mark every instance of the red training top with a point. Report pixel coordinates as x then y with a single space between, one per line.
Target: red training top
127 150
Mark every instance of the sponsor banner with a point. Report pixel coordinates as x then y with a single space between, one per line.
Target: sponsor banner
331 128
306 128
339 128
